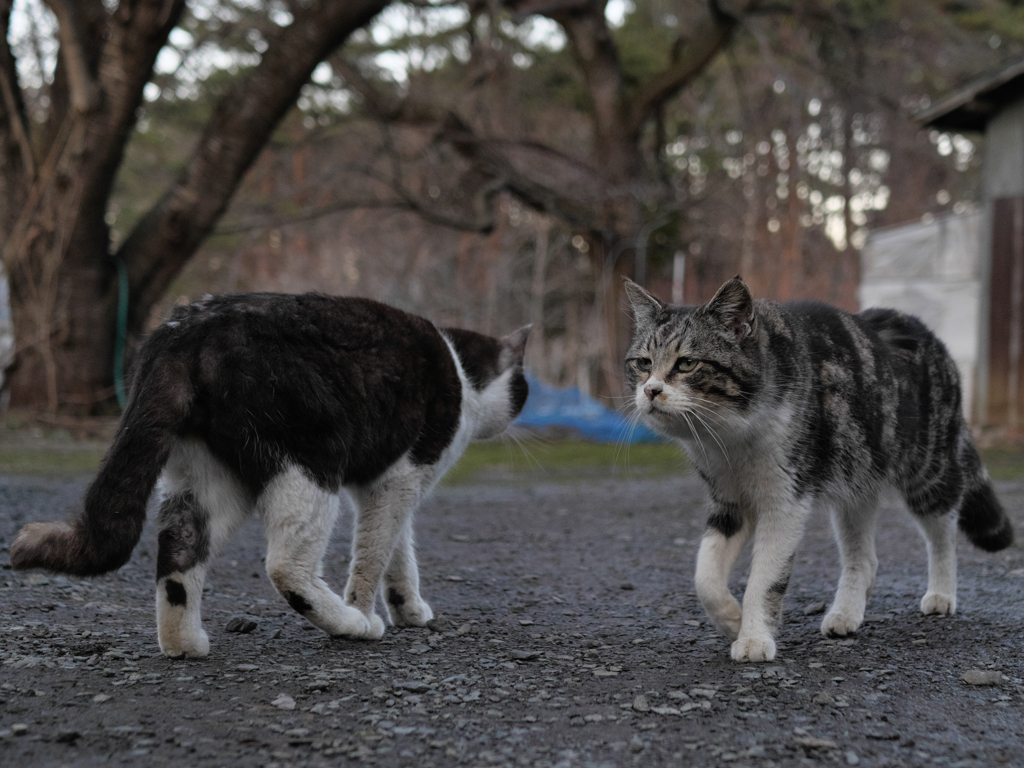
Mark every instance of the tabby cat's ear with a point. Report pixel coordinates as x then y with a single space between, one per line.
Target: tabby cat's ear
513 347
645 306
733 307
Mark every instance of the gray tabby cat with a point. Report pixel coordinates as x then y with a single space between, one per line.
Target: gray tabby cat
783 408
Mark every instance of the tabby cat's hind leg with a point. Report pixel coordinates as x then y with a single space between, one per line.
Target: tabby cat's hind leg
298 516
854 526
402 583
940 535
203 506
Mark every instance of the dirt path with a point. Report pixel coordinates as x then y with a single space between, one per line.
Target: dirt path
569 636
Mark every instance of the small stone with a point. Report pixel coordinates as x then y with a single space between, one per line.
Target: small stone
810 742
983 677
518 655
67 737
577 721
666 710
99 698
417 649
413 686
439 624
640 704
318 685
815 608
19 729
283 701
465 629
247 667
241 625
455 578
823 697
636 745
627 586
851 758
526 622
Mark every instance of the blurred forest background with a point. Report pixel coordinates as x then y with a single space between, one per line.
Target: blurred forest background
458 159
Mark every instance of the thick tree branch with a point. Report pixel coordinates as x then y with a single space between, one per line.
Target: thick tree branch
76 30
242 120
709 34
13 106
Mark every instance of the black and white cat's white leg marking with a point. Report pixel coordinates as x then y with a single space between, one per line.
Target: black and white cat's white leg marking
203 506
854 527
384 511
940 536
299 516
779 529
723 541
402 583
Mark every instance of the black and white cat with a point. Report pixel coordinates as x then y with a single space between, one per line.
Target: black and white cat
786 407
271 404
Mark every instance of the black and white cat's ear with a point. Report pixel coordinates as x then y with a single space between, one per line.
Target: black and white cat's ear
513 347
733 307
645 306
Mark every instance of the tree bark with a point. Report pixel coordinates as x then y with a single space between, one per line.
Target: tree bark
63 277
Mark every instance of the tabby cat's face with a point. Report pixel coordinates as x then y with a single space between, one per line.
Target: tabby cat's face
693 369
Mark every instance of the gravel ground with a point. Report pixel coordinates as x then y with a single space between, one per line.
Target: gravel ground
568 635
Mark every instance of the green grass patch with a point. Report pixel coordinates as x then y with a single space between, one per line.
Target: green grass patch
1004 463
538 460
50 462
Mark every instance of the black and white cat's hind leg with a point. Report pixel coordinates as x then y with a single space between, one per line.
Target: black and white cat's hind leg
383 553
298 516
203 506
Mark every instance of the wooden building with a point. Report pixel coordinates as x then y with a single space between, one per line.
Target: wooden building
993 104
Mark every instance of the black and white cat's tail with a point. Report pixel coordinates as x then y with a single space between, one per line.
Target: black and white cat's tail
982 518
102 537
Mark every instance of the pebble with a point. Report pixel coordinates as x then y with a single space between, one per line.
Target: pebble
413 686
815 608
823 697
99 698
283 701
439 624
640 704
983 677
19 729
518 655
810 742
851 758
241 624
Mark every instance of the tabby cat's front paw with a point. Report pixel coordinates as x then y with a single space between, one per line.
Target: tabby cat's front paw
754 649
839 623
934 602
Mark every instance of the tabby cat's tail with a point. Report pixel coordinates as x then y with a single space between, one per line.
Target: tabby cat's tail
982 518
102 537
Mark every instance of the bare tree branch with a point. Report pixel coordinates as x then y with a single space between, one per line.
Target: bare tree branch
170 232
75 22
711 32
13 104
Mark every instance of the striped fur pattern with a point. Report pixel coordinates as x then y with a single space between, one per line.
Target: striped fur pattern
268 406
785 408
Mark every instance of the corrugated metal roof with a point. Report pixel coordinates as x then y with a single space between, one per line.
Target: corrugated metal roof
971 107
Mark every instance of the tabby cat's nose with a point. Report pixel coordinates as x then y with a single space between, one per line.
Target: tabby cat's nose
653 390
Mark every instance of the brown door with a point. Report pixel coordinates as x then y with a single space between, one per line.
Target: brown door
1005 405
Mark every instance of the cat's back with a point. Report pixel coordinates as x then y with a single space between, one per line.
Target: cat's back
333 382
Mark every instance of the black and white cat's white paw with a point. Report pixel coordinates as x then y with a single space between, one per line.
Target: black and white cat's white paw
757 648
407 610
839 622
356 625
938 603
178 643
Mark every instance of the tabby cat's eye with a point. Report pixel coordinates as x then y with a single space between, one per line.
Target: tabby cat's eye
685 364
644 364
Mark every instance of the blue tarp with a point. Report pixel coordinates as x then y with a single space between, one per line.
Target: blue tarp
548 406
